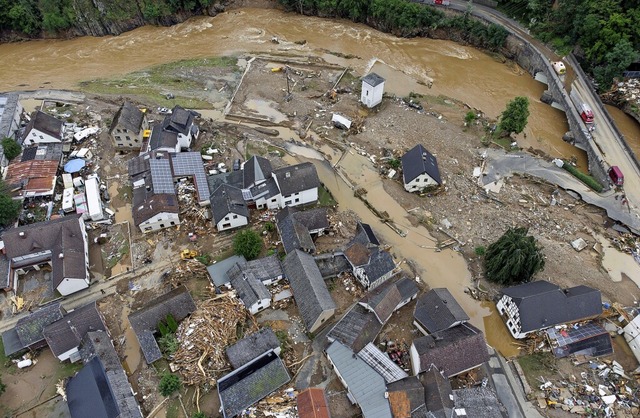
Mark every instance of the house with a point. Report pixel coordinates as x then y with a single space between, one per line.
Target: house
101 388
42 128
252 292
381 363
218 271
588 339
266 195
538 305
27 334
455 350
309 289
478 401
390 296
312 403
371 266
10 111
372 90
298 229
65 335
365 387
357 328
438 310
35 172
144 321
257 170
252 346
407 398
251 383
632 336
266 269
60 244
175 133
128 127
163 141
229 208
419 169
298 184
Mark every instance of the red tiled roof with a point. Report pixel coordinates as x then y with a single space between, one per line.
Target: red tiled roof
313 404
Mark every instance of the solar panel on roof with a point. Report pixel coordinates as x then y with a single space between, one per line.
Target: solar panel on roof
161 176
190 164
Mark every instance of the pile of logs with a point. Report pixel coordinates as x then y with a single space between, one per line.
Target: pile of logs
203 337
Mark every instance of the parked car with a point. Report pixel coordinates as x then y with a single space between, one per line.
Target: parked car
616 176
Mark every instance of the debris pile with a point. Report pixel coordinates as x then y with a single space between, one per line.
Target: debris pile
203 337
281 405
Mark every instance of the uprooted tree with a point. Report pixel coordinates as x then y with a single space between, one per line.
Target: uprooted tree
514 258
514 118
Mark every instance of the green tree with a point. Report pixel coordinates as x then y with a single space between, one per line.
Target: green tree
470 117
172 324
169 383
11 148
513 258
248 244
199 415
615 62
9 208
164 330
168 344
514 118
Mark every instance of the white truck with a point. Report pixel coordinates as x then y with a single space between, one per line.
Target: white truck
94 201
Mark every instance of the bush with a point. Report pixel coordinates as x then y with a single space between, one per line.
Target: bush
199 415
480 250
248 244
395 163
11 148
171 323
470 117
585 178
164 330
168 344
169 383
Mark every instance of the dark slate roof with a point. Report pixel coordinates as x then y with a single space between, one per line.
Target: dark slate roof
297 178
148 204
383 300
312 403
365 235
97 345
5 277
417 161
45 123
255 170
28 329
144 322
453 350
128 117
357 328
312 219
438 393
265 190
59 236
233 178
542 304
365 384
179 121
380 263
225 200
252 382
331 265
438 310
250 290
294 227
138 165
308 286
266 268
67 333
162 139
251 347
407 287
89 393
479 402
373 79
44 152
218 271
406 396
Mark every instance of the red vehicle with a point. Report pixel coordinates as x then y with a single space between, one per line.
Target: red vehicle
586 113
616 175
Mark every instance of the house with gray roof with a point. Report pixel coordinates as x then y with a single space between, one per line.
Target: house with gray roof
419 169
65 335
438 310
454 351
298 229
365 387
309 289
252 346
144 321
250 383
218 271
407 398
381 363
372 90
101 388
60 244
128 127
175 132
357 328
229 208
28 332
252 292
390 296
42 128
541 304
266 195
266 269
256 170
298 184
372 266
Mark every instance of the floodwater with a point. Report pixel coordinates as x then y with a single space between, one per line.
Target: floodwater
617 263
454 70
131 346
497 334
629 128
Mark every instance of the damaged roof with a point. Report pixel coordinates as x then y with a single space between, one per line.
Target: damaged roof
128 117
312 403
357 328
407 398
67 333
29 329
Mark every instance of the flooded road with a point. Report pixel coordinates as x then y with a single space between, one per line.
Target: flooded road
411 64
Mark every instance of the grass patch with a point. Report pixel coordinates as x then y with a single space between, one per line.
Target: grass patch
585 178
125 192
325 198
224 255
536 365
173 409
67 369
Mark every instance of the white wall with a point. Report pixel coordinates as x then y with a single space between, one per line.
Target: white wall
506 308
371 96
37 137
229 222
302 198
419 183
632 335
184 141
271 203
415 360
160 221
70 285
259 306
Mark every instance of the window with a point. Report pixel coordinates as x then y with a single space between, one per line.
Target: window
367 92
297 200
172 223
148 228
226 226
161 225
128 138
235 216
287 202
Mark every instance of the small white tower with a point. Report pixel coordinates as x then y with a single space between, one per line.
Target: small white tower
372 90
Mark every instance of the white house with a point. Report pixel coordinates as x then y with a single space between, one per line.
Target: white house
372 90
632 335
228 208
298 184
419 169
128 127
43 128
252 292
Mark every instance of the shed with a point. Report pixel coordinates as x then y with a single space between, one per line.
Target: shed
589 339
372 90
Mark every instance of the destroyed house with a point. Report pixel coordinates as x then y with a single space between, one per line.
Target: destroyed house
540 304
357 328
438 310
419 169
381 363
60 244
101 388
36 171
298 229
252 292
387 298
42 128
28 332
588 339
406 398
144 321
455 350
65 335
309 289
312 403
365 387
228 208
252 382
128 126
252 346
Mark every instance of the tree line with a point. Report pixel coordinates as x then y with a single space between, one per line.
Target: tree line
604 34
406 19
